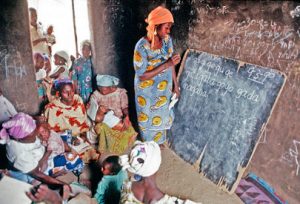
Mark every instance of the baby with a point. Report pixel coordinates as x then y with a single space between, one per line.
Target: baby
50 38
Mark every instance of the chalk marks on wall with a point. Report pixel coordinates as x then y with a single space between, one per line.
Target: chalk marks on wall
296 12
11 64
292 156
264 41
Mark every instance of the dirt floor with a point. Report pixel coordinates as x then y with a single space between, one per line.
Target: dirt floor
180 179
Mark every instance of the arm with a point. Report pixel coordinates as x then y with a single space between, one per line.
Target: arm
100 114
43 163
56 74
43 193
37 174
35 42
176 85
100 192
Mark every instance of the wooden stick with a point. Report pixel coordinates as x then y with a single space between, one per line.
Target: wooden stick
74 26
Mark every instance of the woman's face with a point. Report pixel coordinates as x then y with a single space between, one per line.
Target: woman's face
33 17
86 51
163 30
104 90
67 94
39 63
44 132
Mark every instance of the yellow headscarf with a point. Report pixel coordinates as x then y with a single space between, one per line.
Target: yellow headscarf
157 16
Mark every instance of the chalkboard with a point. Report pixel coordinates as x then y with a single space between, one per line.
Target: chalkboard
224 106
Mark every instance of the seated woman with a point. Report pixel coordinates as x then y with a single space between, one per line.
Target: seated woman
26 155
68 111
113 126
144 160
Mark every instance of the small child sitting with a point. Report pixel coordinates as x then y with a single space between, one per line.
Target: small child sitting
109 188
52 140
61 159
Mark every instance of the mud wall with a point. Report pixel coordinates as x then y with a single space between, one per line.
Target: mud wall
17 74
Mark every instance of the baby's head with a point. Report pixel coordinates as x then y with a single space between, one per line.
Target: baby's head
111 166
50 29
43 130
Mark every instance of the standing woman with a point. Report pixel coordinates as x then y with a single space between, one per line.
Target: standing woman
154 64
82 72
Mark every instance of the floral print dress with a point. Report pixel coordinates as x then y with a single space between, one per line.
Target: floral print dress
153 96
82 73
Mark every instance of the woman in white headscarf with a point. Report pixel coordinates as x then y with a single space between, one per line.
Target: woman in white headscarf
109 109
144 160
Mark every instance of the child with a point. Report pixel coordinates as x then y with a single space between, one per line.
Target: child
61 71
50 38
109 188
40 74
7 110
52 140
82 72
61 160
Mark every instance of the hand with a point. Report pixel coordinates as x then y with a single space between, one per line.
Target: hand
177 91
87 106
175 59
43 39
126 122
83 137
43 165
103 109
72 58
43 193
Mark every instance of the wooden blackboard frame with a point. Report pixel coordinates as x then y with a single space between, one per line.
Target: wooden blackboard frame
240 170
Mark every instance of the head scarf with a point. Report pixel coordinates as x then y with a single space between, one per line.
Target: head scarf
20 126
157 16
36 55
144 159
59 82
86 43
63 54
107 80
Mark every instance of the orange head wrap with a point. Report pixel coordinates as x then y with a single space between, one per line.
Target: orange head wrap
157 16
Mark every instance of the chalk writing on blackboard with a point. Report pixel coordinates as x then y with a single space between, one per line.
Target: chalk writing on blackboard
224 107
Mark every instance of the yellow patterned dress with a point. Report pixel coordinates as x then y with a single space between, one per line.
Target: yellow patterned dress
153 96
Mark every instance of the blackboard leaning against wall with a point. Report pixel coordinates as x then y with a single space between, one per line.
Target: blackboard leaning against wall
224 106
